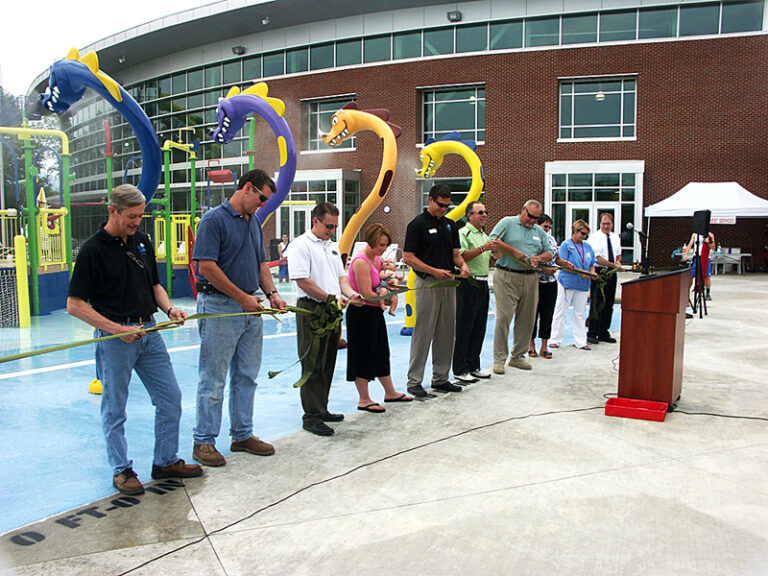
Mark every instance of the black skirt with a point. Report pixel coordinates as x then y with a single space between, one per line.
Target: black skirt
367 343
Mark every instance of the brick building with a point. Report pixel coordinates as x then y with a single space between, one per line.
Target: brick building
586 105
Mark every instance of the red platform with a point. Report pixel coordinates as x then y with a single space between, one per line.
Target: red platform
638 409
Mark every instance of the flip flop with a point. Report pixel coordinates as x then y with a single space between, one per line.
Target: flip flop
532 353
554 346
546 354
401 398
370 408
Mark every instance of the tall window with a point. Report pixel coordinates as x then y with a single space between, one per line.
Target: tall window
598 108
457 108
319 114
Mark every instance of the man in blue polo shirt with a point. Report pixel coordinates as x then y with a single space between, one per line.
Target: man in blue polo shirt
231 266
524 245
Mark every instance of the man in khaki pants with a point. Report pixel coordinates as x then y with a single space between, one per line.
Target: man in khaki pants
523 245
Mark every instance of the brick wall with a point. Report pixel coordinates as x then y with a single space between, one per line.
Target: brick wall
702 116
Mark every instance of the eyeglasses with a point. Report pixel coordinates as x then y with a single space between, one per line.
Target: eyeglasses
531 216
481 212
442 205
133 258
547 226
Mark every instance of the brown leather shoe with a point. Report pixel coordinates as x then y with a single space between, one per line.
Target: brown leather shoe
208 455
253 446
177 470
127 483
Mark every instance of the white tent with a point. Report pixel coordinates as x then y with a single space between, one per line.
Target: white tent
724 199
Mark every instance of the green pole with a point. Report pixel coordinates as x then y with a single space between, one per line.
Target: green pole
167 213
68 215
193 200
109 177
252 144
32 230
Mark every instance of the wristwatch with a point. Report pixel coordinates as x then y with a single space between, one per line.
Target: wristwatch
268 294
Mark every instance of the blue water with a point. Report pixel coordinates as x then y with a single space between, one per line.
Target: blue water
53 449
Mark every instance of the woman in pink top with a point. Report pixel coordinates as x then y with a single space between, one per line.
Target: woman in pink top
367 342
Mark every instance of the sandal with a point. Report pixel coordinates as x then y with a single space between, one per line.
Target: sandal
554 346
545 354
585 347
532 353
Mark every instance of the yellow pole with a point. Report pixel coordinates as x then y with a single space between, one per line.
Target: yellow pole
22 286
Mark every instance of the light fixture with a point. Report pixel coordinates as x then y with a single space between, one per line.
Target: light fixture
387 209
600 96
238 50
265 21
121 60
454 16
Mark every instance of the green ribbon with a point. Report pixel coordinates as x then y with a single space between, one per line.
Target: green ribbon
167 325
326 319
603 276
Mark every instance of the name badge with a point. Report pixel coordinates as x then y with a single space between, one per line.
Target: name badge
433 230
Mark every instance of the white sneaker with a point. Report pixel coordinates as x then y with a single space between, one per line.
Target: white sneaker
466 377
484 374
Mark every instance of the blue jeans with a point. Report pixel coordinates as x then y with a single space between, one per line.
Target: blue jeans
232 343
115 360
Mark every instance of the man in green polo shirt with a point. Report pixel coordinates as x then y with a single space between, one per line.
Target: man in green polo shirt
472 298
523 245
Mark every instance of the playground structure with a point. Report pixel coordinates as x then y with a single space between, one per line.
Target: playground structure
49 238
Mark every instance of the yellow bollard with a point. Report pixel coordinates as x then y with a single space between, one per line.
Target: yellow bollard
22 284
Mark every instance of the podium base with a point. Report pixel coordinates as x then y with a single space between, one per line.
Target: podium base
638 409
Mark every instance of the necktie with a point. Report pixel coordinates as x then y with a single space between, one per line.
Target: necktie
610 247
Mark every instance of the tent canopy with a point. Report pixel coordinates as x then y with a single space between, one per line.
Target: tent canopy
724 199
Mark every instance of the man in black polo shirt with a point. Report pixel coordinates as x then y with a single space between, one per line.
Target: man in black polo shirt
432 250
115 288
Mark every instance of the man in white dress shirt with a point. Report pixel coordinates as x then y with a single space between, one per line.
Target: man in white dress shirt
606 245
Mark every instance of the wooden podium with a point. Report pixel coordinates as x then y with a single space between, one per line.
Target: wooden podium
653 336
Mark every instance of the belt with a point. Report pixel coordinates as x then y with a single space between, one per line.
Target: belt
481 278
516 271
207 288
129 319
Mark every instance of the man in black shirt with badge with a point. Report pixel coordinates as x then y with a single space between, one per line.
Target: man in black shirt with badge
115 288
432 249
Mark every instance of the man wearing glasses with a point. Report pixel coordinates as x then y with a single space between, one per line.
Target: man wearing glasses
116 289
472 298
231 267
523 245
314 262
432 249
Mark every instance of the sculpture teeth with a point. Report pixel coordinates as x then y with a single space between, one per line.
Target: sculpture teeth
226 121
224 129
56 90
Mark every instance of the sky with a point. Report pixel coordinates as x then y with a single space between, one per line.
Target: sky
32 39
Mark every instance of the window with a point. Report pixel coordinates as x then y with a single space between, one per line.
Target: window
297 60
438 41
252 68
195 79
472 38
657 23
598 108
542 31
460 108
232 73
742 16
321 56
319 113
699 19
618 26
377 49
459 189
213 76
179 83
348 52
164 86
274 64
580 29
406 45
507 35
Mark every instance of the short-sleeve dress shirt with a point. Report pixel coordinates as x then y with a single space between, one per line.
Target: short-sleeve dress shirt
469 239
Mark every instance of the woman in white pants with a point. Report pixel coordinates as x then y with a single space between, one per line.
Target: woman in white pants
573 288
